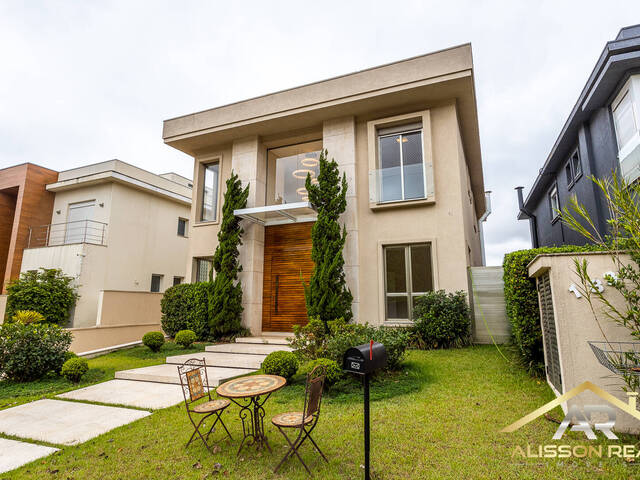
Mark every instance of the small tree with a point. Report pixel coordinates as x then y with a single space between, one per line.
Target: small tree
225 298
327 295
46 291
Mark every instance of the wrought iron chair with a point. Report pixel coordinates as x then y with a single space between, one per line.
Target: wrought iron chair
305 422
191 374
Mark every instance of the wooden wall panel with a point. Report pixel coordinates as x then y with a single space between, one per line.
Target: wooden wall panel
34 205
287 263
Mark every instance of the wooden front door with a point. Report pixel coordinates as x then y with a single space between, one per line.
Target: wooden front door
287 263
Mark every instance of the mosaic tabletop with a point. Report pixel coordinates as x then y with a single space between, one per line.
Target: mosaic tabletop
251 386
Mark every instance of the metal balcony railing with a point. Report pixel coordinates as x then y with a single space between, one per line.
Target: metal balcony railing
81 231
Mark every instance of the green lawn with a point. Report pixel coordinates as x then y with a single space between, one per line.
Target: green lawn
440 418
101 369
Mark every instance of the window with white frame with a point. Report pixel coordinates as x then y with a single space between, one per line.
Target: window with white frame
156 282
573 169
209 198
182 227
554 203
400 163
408 274
203 269
624 110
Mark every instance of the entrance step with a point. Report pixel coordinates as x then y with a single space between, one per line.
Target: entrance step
271 339
248 348
215 359
168 373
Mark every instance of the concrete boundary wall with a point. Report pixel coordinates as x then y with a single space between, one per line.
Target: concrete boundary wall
3 307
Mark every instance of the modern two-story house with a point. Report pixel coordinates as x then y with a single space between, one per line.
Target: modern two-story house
122 233
406 136
601 137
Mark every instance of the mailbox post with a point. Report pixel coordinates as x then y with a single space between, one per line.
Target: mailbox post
364 360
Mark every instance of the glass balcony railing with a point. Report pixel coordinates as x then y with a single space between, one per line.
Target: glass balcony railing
81 231
397 184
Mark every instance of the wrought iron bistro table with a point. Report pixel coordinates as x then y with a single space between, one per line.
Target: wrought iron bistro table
250 393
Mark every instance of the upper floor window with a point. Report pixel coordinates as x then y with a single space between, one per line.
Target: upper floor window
209 199
79 227
625 113
287 170
182 227
177 280
400 163
554 203
573 169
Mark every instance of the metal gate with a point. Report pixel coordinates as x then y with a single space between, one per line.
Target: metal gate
551 354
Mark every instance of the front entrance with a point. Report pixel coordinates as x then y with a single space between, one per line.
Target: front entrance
287 263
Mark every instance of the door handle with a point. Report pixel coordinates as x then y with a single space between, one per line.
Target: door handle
277 286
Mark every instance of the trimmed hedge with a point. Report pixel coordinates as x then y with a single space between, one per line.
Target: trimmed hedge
521 298
185 338
185 307
153 340
280 363
333 370
74 368
443 320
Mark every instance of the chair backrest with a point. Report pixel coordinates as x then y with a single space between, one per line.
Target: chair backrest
194 380
313 394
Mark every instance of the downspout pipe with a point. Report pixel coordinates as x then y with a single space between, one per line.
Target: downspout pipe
481 220
533 225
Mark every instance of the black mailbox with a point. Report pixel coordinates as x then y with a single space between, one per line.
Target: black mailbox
365 358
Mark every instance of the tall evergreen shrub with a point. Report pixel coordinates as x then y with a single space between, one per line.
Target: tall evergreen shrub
225 298
327 295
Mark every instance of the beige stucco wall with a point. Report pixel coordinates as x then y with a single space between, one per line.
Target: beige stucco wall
118 307
89 339
576 325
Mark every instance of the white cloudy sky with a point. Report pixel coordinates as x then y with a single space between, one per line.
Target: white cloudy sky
86 81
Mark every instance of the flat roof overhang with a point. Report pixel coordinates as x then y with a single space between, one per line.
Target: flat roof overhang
278 214
405 86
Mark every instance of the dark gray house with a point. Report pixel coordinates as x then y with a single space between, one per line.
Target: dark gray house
601 136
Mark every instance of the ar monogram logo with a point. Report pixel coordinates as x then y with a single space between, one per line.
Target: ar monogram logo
581 421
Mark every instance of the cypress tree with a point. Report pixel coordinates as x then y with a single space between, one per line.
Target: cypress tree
327 295
225 295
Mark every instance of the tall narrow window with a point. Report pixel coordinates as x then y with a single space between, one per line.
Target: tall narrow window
554 203
576 165
624 120
210 192
182 227
203 268
401 166
156 280
408 274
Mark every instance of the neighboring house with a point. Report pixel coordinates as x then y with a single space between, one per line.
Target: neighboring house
24 201
601 136
114 227
405 134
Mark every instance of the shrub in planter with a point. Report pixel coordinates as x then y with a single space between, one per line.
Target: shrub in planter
28 316
280 363
185 338
153 340
74 368
47 291
442 320
333 370
30 351
521 298
185 307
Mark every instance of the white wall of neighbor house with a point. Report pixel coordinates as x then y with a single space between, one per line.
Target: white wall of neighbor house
141 240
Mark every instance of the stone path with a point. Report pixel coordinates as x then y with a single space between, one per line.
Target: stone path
64 422
14 454
131 394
